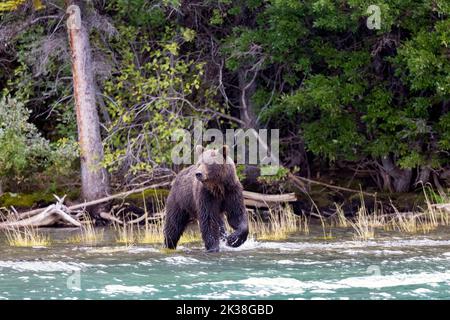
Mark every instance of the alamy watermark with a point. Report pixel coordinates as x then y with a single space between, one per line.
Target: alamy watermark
374 20
73 281
254 147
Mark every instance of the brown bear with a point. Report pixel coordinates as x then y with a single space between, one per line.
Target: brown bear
207 191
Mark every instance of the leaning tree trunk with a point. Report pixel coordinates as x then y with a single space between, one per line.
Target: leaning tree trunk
94 178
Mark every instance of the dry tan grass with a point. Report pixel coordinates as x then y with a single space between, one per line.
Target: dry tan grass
26 237
341 220
363 225
88 233
279 226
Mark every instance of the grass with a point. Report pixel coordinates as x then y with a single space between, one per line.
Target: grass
88 233
26 237
191 236
363 225
327 235
125 234
413 224
151 233
280 225
341 220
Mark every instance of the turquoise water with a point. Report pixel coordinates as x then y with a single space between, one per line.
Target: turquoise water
303 267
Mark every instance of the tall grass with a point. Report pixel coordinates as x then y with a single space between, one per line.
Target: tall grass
125 233
341 220
151 233
191 236
327 235
363 225
26 237
280 224
88 233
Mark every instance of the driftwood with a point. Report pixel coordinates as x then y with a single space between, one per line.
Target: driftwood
84 205
60 213
287 197
52 214
442 206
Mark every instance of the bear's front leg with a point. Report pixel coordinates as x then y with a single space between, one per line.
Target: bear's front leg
222 230
210 234
209 220
175 221
237 218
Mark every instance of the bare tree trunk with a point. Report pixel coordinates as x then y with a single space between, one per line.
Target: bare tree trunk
424 175
94 178
247 88
399 179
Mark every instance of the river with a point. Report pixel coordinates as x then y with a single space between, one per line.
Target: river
392 266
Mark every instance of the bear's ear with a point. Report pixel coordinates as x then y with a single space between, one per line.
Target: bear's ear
198 149
225 150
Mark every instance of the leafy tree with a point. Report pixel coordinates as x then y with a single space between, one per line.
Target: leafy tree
374 98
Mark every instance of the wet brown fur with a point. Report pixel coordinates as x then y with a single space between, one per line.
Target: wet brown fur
218 193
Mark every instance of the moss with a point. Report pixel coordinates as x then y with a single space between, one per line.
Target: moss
150 193
152 200
36 199
24 200
150 196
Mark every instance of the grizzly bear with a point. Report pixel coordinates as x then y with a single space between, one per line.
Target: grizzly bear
207 191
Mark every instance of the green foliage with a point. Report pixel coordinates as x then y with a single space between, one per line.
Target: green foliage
276 174
21 146
139 12
148 101
355 94
344 92
23 151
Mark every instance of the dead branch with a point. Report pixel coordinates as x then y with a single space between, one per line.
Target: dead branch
299 182
84 205
287 197
51 215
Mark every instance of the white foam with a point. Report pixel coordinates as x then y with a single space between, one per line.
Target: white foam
263 286
116 289
288 262
42 266
387 252
142 249
299 262
423 291
180 260
350 247
395 280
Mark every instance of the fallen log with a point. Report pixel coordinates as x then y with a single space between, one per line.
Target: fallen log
51 215
255 198
58 212
286 197
84 205
442 206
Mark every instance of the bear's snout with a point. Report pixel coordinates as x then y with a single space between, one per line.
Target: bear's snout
199 176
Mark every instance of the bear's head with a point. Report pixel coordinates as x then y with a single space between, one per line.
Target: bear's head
214 166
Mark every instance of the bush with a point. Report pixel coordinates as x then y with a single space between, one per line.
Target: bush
23 150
